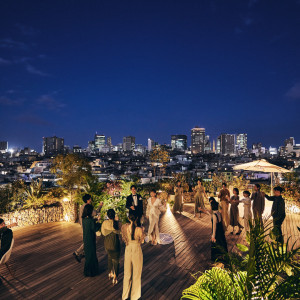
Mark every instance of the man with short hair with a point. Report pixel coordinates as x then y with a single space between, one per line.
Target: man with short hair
224 196
134 203
87 199
258 205
6 236
277 212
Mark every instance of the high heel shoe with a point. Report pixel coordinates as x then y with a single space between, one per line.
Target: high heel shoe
114 281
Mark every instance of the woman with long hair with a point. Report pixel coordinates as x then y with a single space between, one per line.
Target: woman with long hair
90 227
154 209
218 240
178 201
133 237
199 198
110 229
234 211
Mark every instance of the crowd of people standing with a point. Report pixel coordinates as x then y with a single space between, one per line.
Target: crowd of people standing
223 214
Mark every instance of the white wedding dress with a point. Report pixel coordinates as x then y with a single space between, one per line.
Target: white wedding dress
152 213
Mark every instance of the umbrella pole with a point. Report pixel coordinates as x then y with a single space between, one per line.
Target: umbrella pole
271 184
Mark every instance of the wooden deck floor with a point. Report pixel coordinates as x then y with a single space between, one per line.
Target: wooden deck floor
45 268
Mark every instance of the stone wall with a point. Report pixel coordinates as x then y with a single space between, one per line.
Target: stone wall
66 212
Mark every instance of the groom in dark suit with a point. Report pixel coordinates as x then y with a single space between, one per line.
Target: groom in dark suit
134 203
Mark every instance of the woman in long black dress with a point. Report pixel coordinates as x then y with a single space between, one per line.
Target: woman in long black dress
90 227
218 240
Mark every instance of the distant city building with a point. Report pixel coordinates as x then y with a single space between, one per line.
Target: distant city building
241 143
118 147
26 151
207 144
53 145
91 146
77 149
179 142
214 146
105 149
128 143
290 148
290 141
227 143
140 148
109 143
99 141
151 144
198 140
3 146
218 149
273 150
258 149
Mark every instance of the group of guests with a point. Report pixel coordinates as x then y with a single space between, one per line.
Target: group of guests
199 197
132 233
231 217
227 213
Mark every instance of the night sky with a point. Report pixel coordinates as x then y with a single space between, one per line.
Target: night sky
149 69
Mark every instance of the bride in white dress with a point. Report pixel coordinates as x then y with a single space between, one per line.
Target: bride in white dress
154 209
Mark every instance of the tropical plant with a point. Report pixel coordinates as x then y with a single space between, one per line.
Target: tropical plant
93 187
271 272
34 194
116 203
72 171
55 195
12 196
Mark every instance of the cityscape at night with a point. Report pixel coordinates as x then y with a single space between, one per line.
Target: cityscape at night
150 149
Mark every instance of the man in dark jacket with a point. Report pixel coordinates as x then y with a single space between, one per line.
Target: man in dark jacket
134 203
278 212
6 236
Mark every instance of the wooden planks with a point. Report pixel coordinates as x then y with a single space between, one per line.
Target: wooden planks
45 268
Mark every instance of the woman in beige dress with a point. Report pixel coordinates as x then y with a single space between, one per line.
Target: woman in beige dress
178 202
154 209
133 237
199 198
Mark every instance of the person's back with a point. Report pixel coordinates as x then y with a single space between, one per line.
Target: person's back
6 236
133 237
127 234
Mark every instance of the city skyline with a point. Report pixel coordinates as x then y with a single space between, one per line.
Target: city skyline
150 70
104 140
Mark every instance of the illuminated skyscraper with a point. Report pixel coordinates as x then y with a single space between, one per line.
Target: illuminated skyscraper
128 143
241 142
198 140
53 145
227 143
99 141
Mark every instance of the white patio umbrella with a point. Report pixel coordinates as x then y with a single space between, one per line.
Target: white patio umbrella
261 165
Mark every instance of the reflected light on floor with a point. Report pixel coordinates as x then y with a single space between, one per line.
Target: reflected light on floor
168 212
171 226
